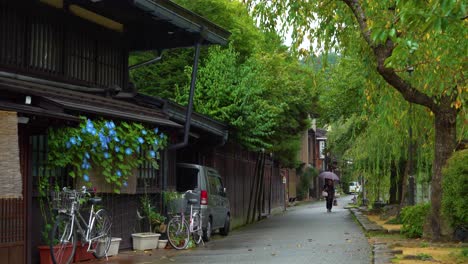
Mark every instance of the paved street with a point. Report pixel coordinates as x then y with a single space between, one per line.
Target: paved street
306 234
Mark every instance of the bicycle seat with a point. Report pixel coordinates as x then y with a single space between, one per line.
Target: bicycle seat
192 201
95 200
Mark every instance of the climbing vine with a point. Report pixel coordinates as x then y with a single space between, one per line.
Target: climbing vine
115 149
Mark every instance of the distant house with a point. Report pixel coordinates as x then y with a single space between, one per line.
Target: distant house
312 153
63 59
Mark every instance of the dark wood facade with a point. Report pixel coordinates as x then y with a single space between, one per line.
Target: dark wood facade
57 62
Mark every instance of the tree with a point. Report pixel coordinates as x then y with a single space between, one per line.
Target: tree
427 36
266 99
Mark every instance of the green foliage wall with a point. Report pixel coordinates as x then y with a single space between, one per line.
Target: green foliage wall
455 189
265 99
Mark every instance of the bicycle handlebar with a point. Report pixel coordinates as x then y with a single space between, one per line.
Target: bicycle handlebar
84 190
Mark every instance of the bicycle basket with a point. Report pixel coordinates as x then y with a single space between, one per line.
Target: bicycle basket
62 201
177 205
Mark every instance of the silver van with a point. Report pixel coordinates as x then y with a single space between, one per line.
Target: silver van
213 201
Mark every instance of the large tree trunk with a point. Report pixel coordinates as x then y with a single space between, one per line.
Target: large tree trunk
440 105
445 142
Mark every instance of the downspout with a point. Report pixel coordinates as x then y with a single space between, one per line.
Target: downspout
188 115
141 64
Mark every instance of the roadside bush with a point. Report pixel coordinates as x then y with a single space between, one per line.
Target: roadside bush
455 189
412 218
306 176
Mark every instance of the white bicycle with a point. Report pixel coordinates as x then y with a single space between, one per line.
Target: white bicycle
96 233
178 230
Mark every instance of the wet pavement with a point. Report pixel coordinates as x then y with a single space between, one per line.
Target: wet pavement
305 234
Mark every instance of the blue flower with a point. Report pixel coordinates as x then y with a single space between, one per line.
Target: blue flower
112 133
156 130
104 145
144 132
86 177
118 173
68 145
117 149
125 184
90 127
141 140
101 136
152 153
128 151
86 155
73 140
116 139
111 124
156 142
106 155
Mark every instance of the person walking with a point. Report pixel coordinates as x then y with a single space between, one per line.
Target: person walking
330 189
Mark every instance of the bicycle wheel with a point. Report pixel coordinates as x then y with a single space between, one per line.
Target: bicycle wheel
178 233
101 234
197 232
62 240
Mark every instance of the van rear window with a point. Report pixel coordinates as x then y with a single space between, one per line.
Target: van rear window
186 179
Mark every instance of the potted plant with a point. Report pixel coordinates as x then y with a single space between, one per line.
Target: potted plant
150 239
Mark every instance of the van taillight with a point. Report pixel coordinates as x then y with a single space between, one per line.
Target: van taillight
204 197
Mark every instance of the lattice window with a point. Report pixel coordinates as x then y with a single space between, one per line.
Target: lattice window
45 46
39 164
148 176
12 29
61 47
81 57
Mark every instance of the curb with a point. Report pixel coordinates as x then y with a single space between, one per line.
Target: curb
381 253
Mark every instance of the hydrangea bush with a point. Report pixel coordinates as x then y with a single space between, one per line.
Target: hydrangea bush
116 149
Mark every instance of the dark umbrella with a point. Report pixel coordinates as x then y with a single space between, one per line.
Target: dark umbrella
329 176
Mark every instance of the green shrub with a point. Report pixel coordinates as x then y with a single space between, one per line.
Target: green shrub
306 176
455 189
464 252
412 218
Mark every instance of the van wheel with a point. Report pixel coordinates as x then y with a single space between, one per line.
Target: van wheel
227 224
207 231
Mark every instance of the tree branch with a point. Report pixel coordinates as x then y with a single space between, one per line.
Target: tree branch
382 52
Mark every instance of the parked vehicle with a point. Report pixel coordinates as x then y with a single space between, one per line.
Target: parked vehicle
213 202
354 187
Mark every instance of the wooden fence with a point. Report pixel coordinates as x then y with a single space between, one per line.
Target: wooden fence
12 231
253 183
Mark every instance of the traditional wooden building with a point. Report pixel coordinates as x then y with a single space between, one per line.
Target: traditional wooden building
61 59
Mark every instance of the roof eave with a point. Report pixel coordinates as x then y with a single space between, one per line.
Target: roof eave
185 19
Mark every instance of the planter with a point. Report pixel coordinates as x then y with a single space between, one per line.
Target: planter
162 243
113 248
46 258
145 241
82 254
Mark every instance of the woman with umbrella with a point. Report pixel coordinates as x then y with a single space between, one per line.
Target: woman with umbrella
329 187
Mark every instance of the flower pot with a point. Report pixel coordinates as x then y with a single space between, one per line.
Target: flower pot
113 248
82 254
46 258
145 241
162 243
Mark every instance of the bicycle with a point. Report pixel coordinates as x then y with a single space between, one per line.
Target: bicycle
178 230
69 221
